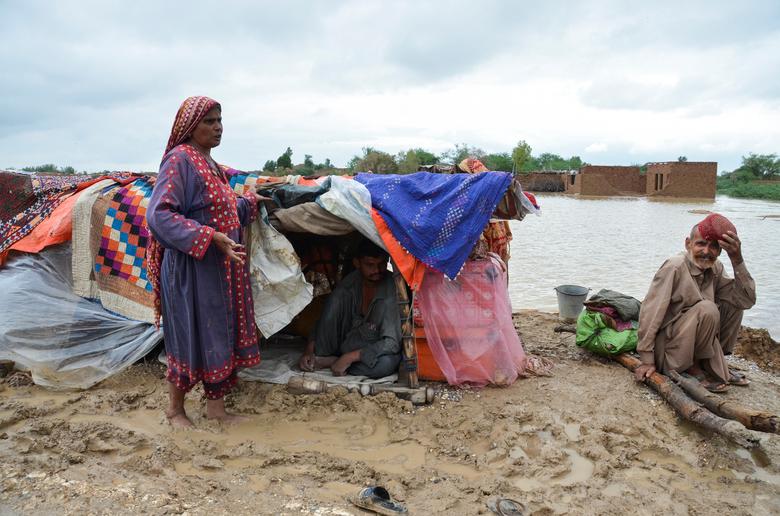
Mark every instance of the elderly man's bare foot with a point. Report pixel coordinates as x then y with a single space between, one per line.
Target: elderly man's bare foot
178 419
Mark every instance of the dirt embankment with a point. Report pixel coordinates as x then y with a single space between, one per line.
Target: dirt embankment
588 440
757 346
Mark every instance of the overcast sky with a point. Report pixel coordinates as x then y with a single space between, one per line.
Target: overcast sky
96 85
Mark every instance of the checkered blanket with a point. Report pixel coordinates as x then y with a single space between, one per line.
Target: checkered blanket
109 247
123 236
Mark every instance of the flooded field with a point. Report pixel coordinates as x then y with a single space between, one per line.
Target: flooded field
619 243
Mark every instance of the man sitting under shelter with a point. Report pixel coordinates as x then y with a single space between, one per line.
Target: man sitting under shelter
359 332
692 313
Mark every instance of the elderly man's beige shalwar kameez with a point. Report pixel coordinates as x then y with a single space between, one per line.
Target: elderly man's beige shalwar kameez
691 314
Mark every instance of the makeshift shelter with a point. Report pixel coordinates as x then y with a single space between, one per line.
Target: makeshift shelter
78 312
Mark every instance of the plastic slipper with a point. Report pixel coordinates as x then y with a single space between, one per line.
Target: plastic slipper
738 379
377 499
506 507
716 387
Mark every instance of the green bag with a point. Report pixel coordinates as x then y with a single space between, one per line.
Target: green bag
594 335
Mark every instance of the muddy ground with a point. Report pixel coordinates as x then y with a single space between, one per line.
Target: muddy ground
588 440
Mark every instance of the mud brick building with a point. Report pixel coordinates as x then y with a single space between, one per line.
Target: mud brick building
681 179
606 180
543 180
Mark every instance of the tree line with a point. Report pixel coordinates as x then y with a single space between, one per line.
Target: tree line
520 160
754 167
757 178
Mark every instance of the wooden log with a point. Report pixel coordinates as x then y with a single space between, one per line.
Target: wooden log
407 330
749 417
691 410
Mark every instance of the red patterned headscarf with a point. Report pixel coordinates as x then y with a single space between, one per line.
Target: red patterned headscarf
472 166
191 112
714 226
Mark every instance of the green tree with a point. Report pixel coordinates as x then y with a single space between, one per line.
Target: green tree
50 168
375 161
354 162
682 159
285 160
549 161
520 155
327 165
408 162
501 161
270 166
461 152
425 157
411 160
308 165
759 166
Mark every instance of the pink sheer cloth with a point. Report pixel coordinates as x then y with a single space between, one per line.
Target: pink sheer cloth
468 324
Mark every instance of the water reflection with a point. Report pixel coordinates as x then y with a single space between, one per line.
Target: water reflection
619 243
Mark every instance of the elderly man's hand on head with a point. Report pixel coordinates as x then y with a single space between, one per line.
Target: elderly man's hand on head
730 243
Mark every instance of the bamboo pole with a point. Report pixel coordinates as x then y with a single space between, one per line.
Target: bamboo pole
691 410
407 330
749 417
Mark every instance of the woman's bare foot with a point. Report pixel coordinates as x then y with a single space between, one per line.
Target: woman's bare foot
215 409
228 418
175 413
178 419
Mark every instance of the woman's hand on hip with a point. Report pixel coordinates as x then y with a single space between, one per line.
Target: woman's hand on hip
230 248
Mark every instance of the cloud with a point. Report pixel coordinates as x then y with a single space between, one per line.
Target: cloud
96 84
597 147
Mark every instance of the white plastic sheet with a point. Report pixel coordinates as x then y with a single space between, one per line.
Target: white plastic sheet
66 341
351 201
279 289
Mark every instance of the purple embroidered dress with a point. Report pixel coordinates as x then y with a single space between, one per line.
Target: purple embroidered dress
206 299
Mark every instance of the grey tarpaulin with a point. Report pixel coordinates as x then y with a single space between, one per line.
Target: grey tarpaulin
310 217
66 341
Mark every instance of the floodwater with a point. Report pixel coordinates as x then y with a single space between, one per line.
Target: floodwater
619 243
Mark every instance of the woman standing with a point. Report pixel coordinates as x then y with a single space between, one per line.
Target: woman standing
197 265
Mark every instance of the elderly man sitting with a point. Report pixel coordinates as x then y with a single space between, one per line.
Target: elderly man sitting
360 329
692 313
